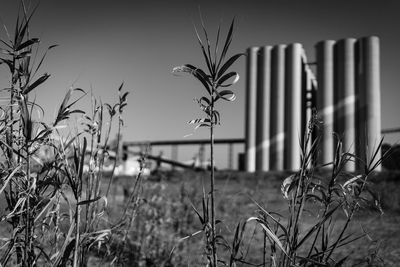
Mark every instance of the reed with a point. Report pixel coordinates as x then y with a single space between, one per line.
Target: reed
214 80
37 187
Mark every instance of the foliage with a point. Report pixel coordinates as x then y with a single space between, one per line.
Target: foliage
52 183
325 199
214 81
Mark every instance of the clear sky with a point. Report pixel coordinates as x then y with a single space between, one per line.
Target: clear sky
103 43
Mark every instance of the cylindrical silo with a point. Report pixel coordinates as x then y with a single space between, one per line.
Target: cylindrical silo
251 98
293 106
263 109
307 105
368 88
345 98
325 98
277 116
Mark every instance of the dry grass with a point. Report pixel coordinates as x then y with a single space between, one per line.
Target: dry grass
166 216
234 204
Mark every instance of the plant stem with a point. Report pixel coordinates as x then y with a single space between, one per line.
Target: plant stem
11 127
30 213
117 158
214 252
77 219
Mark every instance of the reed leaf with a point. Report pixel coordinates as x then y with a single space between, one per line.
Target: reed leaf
269 233
227 95
227 77
228 64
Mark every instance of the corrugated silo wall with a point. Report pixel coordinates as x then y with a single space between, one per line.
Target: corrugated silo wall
348 98
250 109
278 105
277 81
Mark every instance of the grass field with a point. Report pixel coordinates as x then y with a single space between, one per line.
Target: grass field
167 216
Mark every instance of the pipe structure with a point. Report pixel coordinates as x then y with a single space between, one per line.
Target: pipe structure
277 116
369 104
345 97
293 106
325 99
263 109
250 109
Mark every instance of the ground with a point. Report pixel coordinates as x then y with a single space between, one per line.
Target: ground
166 216
175 192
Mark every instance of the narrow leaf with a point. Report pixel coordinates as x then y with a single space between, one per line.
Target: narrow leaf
217 42
195 121
316 226
27 43
228 63
269 233
227 77
196 72
42 59
5 182
36 83
88 201
227 43
208 45
202 125
208 60
226 95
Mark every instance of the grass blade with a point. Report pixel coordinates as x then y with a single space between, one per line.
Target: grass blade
228 63
227 43
269 233
207 59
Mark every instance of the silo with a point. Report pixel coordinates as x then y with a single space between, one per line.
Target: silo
263 109
325 98
345 96
369 100
250 109
293 106
277 128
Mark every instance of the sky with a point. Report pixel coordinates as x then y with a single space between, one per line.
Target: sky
103 43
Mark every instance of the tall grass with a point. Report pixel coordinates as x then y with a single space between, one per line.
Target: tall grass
56 210
214 81
326 199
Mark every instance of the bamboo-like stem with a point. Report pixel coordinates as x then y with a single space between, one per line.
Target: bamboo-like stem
28 237
212 180
11 116
77 222
264 245
116 155
119 138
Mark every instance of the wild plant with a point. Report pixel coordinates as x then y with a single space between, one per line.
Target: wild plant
214 81
55 208
87 185
21 138
325 199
